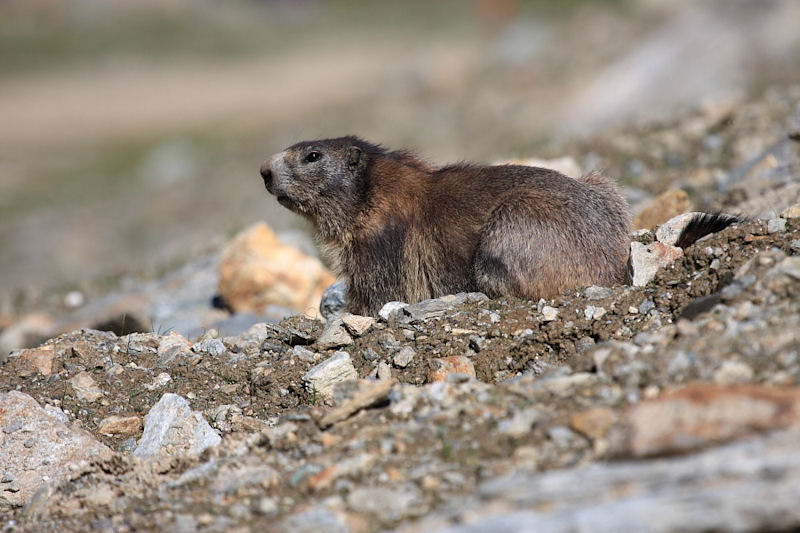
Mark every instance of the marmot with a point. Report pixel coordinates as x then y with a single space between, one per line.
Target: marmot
396 228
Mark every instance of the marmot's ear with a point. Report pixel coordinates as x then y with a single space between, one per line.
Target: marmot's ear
353 157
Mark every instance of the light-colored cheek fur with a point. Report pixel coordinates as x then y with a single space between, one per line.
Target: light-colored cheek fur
281 177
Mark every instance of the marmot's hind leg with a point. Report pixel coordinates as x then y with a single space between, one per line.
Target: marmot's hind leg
526 254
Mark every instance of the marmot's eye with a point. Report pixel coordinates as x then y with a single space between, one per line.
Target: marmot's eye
312 156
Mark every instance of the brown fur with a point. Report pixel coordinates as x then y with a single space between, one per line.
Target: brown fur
397 228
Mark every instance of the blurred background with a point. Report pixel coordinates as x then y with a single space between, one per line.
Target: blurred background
132 130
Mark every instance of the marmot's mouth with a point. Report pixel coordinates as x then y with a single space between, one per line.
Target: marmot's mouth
285 201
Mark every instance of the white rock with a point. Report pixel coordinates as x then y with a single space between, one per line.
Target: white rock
647 260
171 427
334 335
733 372
549 313
404 357
322 378
172 346
159 381
670 230
776 225
384 371
357 325
85 387
391 308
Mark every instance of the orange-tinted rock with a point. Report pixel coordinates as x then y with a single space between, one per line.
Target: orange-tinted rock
120 425
456 364
39 359
662 208
703 414
257 269
594 423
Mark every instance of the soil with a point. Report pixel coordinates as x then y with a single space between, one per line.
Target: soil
424 455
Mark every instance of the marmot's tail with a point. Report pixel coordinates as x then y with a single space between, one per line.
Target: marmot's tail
703 224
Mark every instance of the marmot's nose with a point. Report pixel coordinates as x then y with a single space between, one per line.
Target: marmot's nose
266 173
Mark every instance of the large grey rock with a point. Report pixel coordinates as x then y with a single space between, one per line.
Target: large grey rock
37 448
171 427
746 486
437 307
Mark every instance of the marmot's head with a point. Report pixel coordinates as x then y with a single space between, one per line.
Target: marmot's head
319 179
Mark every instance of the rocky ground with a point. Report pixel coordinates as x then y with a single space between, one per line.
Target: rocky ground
673 405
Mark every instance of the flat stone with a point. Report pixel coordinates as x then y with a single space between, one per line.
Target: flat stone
334 335
172 428
366 394
745 486
441 367
703 414
85 387
436 307
322 378
120 425
31 463
596 292
404 357
304 354
357 325
39 359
